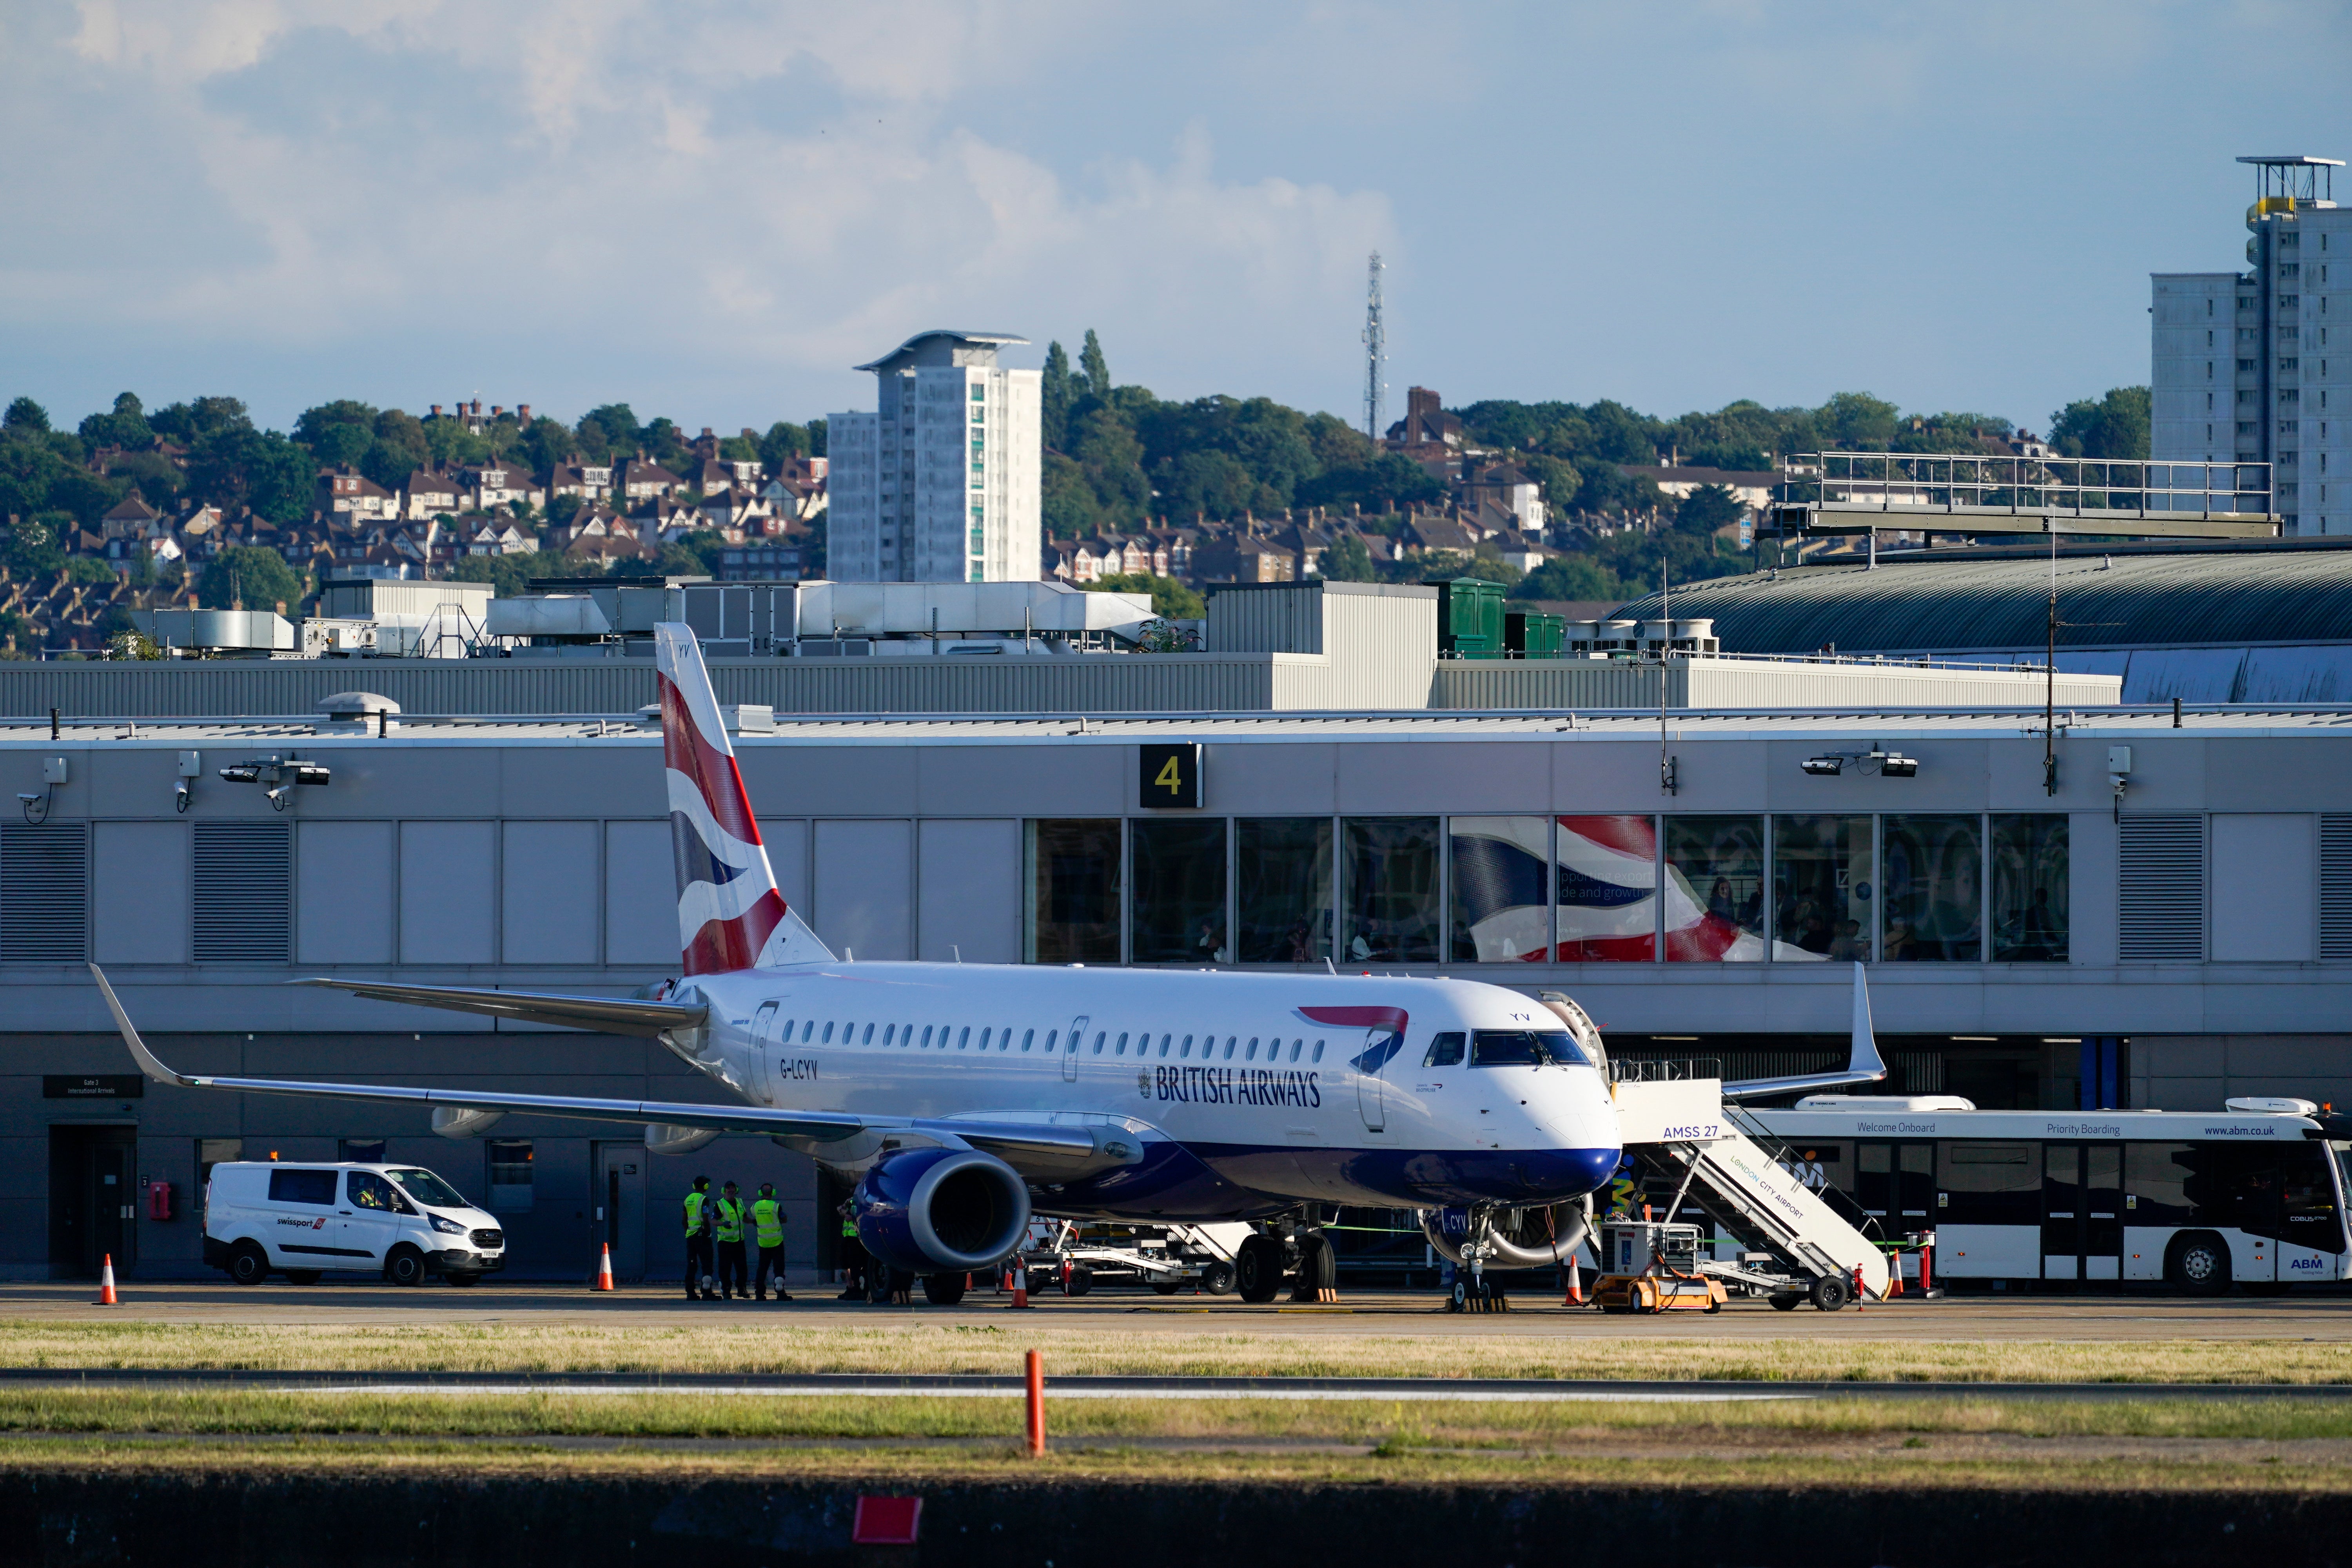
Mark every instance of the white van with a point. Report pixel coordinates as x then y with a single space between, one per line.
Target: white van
400 1221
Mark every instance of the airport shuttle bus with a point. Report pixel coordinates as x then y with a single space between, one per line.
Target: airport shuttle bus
2253 1194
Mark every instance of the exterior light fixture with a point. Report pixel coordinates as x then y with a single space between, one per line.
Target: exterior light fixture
1878 760
279 775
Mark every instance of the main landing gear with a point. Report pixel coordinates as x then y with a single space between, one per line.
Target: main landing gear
1302 1252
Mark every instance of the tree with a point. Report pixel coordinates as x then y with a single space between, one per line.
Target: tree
1053 397
252 575
816 438
606 430
2116 426
34 547
1571 578
125 427
259 469
1171 600
1560 481
336 432
511 574
1857 422
1706 510
26 417
1095 368
781 444
1389 482
188 423
1347 559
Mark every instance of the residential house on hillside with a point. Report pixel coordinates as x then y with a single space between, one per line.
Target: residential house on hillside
428 494
1244 557
489 538
1507 487
129 518
576 476
1424 533
346 490
1752 489
500 483
638 480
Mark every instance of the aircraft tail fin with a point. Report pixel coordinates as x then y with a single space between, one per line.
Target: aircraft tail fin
731 915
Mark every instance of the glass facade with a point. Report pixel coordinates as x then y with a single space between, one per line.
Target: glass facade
1605 879
1391 890
1714 889
1180 891
1069 873
2029 889
1821 887
1283 872
1499 911
1952 888
1934 884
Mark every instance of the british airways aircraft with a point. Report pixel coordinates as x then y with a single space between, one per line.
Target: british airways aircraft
960 1098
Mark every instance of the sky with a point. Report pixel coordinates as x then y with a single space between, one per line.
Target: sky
712 210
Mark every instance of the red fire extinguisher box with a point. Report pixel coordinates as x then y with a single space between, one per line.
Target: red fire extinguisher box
159 1200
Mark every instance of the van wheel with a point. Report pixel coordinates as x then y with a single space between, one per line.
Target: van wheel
302 1276
405 1267
247 1264
2199 1264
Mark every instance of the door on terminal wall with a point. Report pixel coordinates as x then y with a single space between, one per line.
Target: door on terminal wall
2082 1211
619 1201
1894 1184
93 1209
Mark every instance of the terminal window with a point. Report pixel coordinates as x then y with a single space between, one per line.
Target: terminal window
2029 888
1934 879
1822 888
1500 910
1283 870
1070 871
1714 889
1180 892
1391 865
1605 884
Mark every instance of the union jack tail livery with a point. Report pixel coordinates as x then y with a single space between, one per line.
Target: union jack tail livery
730 914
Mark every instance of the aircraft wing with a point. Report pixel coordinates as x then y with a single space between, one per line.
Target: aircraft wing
1865 1066
1043 1150
607 1015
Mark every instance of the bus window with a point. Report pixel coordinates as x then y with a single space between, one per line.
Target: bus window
2155 1179
1989 1183
2309 1199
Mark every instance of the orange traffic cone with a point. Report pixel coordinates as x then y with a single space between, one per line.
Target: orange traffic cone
106 1283
605 1270
1575 1284
1019 1287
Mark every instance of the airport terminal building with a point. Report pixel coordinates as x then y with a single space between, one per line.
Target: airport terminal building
2169 923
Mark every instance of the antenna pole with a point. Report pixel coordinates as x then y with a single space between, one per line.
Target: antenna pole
2050 678
1376 348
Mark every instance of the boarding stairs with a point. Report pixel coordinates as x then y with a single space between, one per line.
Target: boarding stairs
1683 1130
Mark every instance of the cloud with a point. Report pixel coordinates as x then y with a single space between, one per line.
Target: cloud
720 196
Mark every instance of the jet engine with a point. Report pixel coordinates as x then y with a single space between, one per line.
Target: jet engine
1518 1238
942 1211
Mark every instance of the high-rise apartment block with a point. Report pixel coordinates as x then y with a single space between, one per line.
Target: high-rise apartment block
940 484
2242 369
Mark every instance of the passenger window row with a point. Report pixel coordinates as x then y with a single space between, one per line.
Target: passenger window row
941 1037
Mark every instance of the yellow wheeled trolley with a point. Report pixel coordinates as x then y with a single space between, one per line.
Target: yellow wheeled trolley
1654 1268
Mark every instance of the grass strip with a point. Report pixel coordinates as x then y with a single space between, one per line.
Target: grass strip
1400 1424
911 1346
1914 1473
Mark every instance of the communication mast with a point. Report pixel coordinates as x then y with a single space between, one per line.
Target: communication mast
1376 343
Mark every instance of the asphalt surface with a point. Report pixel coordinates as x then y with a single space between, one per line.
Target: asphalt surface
2319 1316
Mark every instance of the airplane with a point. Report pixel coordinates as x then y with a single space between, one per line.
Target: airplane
962 1097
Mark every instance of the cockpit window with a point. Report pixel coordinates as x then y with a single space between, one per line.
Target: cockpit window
1444 1051
1524 1048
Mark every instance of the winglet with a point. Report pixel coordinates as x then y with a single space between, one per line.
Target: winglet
1866 1059
139 1051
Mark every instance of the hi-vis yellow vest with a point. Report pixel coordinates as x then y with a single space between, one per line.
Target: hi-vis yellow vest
694 1201
731 1220
767 1216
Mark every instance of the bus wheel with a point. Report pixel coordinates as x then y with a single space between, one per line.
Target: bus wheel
2199 1264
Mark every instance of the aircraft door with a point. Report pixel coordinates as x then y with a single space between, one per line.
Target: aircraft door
763 1028
620 1205
1070 1051
1368 1098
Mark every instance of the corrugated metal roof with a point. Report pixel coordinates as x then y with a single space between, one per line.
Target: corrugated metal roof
2221 600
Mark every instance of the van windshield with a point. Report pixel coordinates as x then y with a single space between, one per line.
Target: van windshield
429 1189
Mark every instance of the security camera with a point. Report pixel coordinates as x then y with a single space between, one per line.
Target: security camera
280 796
180 796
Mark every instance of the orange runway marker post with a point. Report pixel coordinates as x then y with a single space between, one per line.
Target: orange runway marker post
1036 1403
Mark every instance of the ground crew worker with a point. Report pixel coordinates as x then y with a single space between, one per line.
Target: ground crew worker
734 1272
852 1259
698 1241
768 1227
